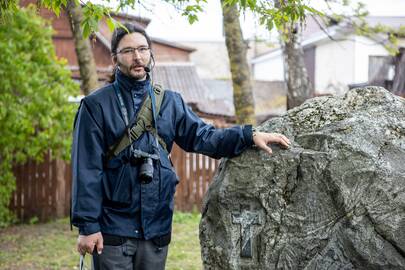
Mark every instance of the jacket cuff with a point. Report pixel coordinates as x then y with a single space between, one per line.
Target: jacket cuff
89 228
248 135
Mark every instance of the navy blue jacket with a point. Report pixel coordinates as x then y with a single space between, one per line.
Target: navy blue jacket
107 196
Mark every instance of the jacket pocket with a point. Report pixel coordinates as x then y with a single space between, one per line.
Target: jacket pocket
118 183
168 180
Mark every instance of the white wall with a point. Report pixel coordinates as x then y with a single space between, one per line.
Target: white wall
344 62
364 48
271 69
334 65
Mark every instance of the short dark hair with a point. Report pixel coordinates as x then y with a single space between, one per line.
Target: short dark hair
120 32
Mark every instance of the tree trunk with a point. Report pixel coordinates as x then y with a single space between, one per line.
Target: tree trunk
241 80
85 58
398 85
299 86
295 73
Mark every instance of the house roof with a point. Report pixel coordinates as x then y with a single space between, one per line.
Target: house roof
317 30
180 77
183 78
220 97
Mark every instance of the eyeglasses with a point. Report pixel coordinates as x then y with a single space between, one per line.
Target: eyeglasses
142 50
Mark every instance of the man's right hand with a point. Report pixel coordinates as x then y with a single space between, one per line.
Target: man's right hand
86 243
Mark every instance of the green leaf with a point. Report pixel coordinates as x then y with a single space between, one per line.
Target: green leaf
270 25
56 10
252 4
192 19
313 10
230 2
120 25
110 23
86 29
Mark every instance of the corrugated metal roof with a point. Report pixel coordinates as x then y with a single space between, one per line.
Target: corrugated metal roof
181 78
220 95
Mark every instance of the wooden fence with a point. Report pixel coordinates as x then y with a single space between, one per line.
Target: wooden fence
43 189
195 173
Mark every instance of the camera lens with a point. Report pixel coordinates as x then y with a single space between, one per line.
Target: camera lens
146 171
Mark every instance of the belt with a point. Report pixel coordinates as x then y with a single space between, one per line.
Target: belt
115 240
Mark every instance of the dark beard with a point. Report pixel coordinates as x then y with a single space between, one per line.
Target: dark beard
131 73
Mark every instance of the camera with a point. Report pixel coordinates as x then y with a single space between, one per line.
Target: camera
145 160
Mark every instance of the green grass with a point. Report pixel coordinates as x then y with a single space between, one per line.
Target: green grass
53 245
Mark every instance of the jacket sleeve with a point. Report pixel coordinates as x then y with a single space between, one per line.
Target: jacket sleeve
194 135
87 168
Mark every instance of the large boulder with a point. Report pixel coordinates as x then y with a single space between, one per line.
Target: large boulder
334 200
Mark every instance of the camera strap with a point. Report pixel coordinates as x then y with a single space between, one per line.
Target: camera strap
146 115
153 99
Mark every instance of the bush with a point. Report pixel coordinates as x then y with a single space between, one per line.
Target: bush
35 115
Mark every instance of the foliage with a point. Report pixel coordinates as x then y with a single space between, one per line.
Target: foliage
269 13
277 13
34 112
391 42
355 16
7 5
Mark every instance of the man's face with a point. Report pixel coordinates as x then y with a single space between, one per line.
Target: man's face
133 54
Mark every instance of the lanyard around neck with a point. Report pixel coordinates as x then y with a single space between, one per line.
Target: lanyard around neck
123 109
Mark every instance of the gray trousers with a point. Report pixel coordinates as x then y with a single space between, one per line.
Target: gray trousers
134 254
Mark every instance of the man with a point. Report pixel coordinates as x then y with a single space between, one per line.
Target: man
123 221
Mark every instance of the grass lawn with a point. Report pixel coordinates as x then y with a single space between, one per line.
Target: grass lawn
52 245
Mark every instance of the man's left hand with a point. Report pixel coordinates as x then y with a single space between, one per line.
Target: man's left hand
262 139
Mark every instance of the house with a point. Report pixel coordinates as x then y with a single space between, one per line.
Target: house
335 56
174 70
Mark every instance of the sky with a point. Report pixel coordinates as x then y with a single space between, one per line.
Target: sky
167 23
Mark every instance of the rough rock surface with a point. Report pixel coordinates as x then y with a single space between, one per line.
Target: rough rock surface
334 200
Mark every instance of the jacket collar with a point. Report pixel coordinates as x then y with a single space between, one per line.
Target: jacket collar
130 84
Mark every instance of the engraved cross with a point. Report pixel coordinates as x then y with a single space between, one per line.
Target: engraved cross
246 219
